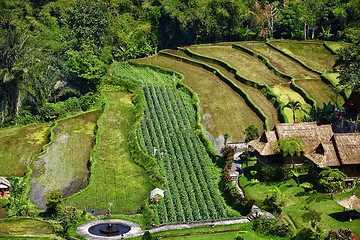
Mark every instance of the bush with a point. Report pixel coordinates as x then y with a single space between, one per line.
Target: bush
342 234
272 173
271 227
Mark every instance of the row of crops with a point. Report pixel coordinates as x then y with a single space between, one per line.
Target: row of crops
190 193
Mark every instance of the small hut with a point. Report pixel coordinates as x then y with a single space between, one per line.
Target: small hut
4 188
351 203
155 194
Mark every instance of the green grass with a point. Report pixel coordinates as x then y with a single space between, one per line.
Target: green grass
255 94
223 110
294 198
16 150
115 178
286 94
283 63
337 45
226 232
25 227
65 162
314 55
317 89
7 131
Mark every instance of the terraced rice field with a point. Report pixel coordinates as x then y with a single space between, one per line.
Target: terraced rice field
314 55
248 66
17 150
282 63
223 110
318 91
116 181
255 94
65 163
7 131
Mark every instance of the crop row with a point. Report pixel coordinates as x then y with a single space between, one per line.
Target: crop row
190 193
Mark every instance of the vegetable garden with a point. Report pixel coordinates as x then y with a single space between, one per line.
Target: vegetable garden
190 191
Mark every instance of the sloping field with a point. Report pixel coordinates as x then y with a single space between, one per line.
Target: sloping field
287 66
7 131
223 110
65 163
116 181
16 150
255 94
337 45
281 62
248 66
314 55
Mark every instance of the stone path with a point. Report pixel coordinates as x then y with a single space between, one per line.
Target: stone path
236 168
135 229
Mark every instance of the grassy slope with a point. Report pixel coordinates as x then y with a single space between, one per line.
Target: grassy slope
222 109
7 131
315 55
16 150
255 94
294 199
115 178
285 65
64 165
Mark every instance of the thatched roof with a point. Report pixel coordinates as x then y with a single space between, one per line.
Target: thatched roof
324 155
348 147
351 202
309 132
156 191
264 144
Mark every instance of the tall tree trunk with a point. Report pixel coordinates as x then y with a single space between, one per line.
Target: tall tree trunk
2 111
305 28
17 104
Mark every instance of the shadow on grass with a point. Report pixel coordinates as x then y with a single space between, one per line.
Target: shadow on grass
305 233
313 197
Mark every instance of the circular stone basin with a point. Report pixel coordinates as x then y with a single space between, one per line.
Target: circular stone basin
108 230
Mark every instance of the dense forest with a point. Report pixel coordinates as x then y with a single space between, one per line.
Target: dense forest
54 53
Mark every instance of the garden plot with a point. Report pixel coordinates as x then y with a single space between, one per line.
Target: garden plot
116 181
248 66
314 55
17 150
223 110
283 63
255 94
65 163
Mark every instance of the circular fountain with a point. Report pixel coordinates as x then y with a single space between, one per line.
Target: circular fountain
108 229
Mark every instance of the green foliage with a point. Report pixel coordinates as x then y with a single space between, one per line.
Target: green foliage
53 200
293 105
251 132
272 173
146 236
312 216
271 227
67 218
324 115
332 173
342 234
290 147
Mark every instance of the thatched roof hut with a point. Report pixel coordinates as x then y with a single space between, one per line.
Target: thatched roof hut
351 202
324 155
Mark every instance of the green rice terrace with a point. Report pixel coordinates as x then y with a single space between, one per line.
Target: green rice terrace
160 123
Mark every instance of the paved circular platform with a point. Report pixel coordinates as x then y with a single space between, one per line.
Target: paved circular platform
135 229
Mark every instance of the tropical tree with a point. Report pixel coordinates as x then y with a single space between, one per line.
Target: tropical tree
293 105
333 173
312 216
292 146
251 132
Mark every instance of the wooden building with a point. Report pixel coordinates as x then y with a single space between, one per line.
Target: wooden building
324 148
4 188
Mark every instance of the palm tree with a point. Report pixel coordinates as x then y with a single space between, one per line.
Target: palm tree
293 105
292 146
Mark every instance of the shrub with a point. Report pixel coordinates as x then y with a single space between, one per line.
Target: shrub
272 173
271 227
342 234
